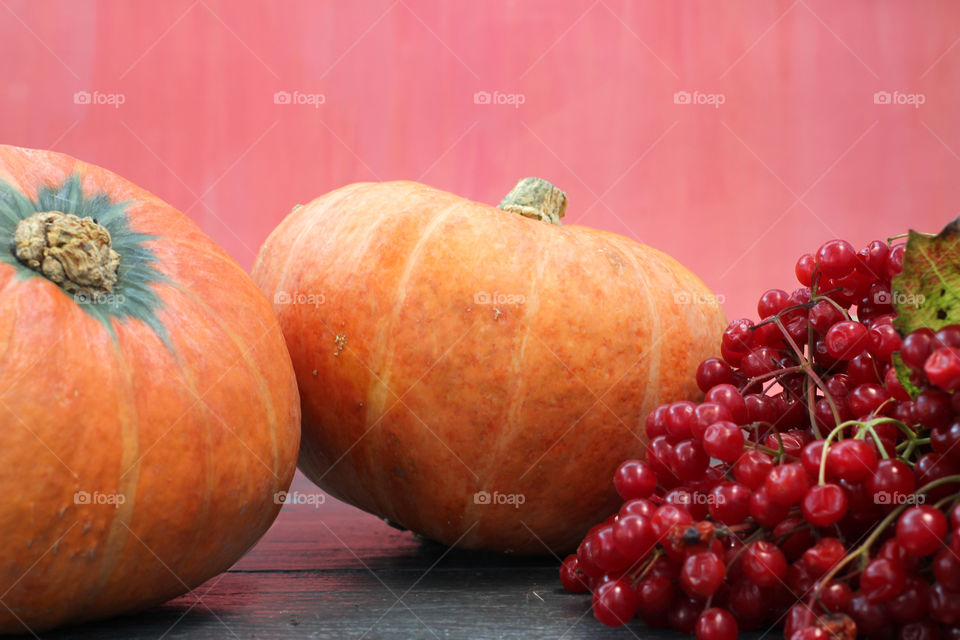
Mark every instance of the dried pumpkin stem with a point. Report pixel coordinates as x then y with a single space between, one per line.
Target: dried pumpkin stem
536 198
73 252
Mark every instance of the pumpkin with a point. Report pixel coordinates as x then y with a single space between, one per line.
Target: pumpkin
149 410
476 374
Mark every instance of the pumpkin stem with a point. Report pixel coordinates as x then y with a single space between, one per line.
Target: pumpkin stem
73 252
536 198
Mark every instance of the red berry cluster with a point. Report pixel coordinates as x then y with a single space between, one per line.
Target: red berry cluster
809 488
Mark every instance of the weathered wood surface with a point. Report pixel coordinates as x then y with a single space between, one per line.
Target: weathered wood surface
331 571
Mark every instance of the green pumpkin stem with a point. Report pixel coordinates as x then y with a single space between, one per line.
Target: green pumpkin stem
73 252
536 198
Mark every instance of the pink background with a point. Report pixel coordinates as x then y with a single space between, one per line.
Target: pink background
797 153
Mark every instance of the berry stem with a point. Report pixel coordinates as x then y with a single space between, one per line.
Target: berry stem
869 427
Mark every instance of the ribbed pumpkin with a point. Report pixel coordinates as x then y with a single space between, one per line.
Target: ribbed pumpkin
473 374
148 406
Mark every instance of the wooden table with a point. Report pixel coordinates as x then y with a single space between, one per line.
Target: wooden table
332 571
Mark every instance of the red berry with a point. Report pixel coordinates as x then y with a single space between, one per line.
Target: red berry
760 408
851 460
637 507
882 579
598 552
846 339
891 483
684 613
809 633
911 604
890 549
724 441
716 624
946 569
948 336
727 396
764 564
760 361
824 505
933 408
916 348
800 616
615 603
920 631
729 503
689 460
570 576
892 384
944 604
765 511
823 315
810 458
706 414
634 537
804 269
867 399
635 479
702 574
872 258
668 515
821 557
786 484
711 372
772 302
835 596
656 423
894 262
836 258
921 530
752 467
943 368
871 618
883 340
679 419
738 336
654 596
862 369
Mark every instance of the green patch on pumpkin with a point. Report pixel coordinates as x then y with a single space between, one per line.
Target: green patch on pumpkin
133 295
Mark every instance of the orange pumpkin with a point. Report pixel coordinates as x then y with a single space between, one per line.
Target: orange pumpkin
473 374
148 406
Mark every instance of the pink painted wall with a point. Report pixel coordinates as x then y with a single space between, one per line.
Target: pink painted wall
797 153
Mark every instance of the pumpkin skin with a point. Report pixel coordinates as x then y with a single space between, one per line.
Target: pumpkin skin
145 434
417 394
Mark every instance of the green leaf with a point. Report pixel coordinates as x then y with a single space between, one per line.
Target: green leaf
903 375
927 292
